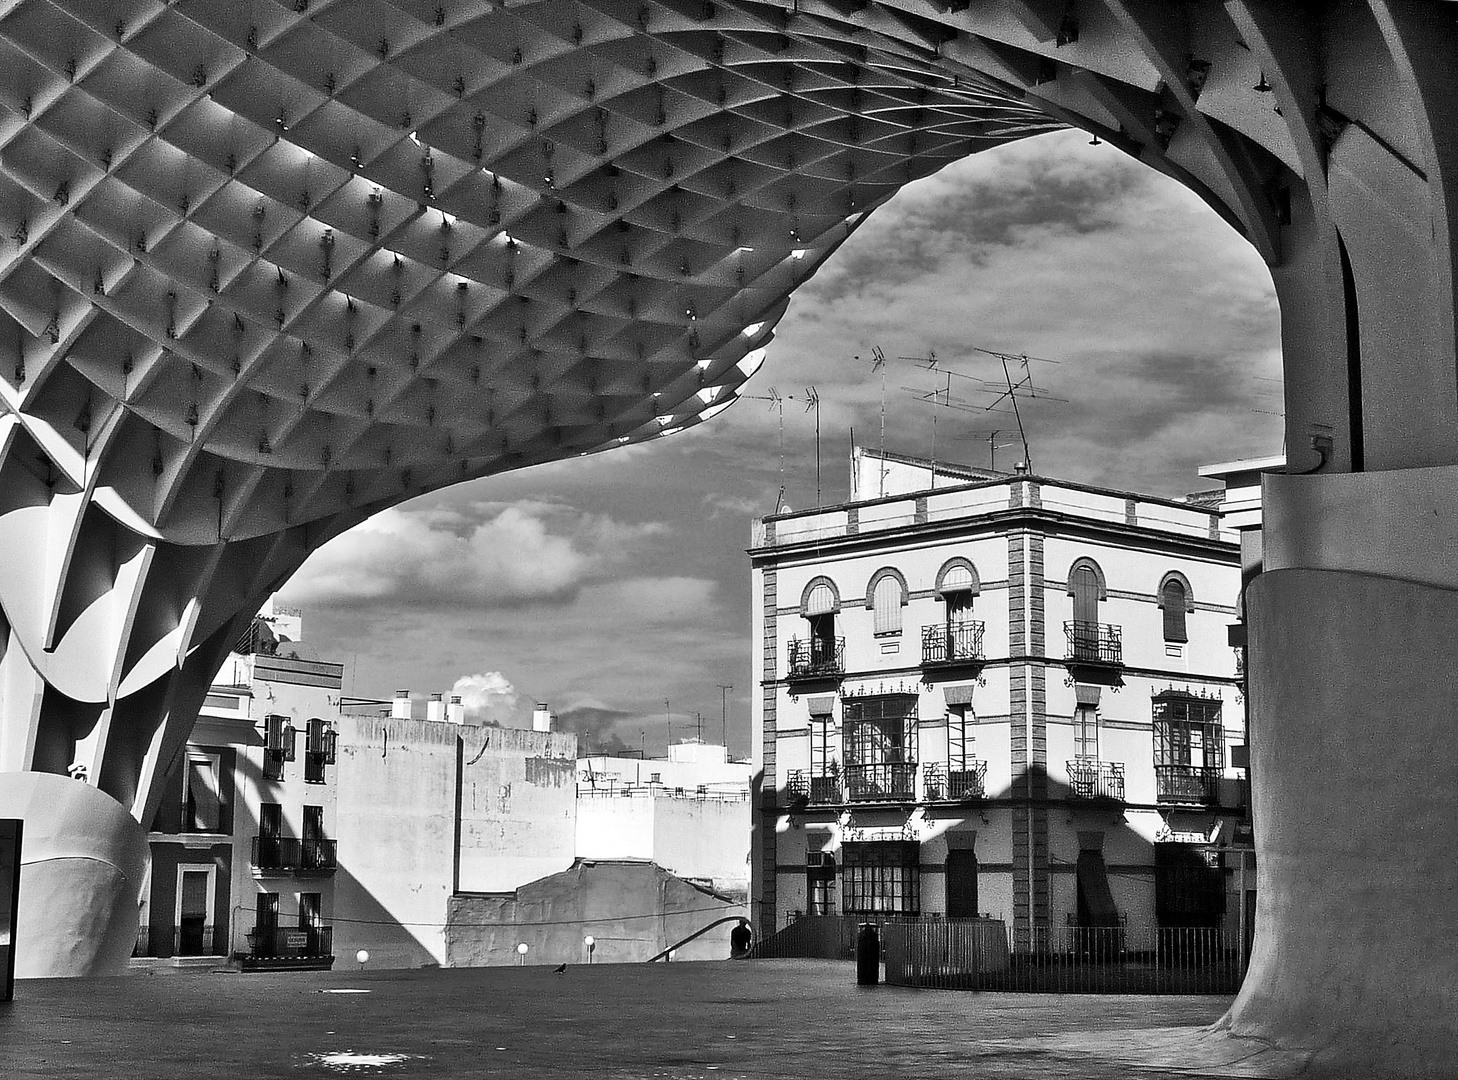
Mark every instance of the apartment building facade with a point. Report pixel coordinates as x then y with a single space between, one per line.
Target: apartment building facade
988 694
243 849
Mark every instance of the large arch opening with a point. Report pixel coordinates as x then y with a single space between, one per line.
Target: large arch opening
253 297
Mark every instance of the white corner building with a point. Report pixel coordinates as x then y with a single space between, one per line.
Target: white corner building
993 694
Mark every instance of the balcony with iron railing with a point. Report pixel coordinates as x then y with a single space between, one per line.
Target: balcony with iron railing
815 658
1187 784
881 782
815 790
1094 643
1089 779
944 784
944 646
280 948
284 853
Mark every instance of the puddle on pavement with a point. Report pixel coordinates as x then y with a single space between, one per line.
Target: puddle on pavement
360 1062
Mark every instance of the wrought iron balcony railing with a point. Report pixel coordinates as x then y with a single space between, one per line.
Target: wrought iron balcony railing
1096 779
1187 784
816 790
267 941
957 644
288 853
816 658
943 784
885 780
1094 643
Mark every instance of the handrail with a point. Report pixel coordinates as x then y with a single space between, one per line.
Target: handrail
698 933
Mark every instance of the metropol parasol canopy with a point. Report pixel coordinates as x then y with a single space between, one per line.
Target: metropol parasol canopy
269 267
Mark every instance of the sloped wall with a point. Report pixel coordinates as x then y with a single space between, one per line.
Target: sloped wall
631 909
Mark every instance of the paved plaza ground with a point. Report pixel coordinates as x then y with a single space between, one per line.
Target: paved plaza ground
798 1019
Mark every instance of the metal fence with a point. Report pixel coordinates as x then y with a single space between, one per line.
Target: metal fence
979 954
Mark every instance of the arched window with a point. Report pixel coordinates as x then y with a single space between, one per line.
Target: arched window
819 598
887 596
1175 598
1086 586
958 584
818 604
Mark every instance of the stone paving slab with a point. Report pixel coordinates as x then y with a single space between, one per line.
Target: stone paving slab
744 1020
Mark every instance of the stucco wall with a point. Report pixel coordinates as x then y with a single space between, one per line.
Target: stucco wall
693 838
397 806
631 909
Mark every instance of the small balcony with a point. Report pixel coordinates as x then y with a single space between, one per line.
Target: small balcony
949 646
1095 652
815 790
1096 779
278 948
882 782
966 782
1094 643
816 658
290 855
1187 784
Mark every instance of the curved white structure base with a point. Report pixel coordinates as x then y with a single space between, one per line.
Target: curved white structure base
83 859
1354 680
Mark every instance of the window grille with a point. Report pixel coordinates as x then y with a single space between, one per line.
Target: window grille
882 877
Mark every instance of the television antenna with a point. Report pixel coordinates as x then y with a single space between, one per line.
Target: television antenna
777 403
776 400
993 446
1023 382
724 689
878 363
1003 392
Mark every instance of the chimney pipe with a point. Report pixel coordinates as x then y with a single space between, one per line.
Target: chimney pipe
541 717
456 712
435 709
401 709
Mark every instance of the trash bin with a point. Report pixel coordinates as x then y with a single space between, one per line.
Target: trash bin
868 955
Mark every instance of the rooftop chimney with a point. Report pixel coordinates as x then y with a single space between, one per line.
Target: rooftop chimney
456 712
435 709
401 709
541 717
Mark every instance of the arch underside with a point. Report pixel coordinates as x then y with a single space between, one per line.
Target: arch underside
268 268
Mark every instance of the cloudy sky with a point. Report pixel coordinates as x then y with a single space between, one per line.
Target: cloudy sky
610 585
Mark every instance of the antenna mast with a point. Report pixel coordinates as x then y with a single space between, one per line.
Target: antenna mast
812 401
724 689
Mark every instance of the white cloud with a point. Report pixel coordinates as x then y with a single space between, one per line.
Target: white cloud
427 558
489 698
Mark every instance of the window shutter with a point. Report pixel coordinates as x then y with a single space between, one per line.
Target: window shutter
957 579
821 600
1174 611
1085 586
887 604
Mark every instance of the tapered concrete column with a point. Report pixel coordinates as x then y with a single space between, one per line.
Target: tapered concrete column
1354 698
82 864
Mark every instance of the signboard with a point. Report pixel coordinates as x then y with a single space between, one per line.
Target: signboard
297 940
10 829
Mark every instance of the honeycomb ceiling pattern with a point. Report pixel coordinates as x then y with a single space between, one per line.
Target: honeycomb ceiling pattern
264 263
269 267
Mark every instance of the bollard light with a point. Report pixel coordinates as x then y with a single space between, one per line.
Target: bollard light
591 943
521 951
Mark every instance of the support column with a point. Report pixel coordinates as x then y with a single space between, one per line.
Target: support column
1354 676
81 875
